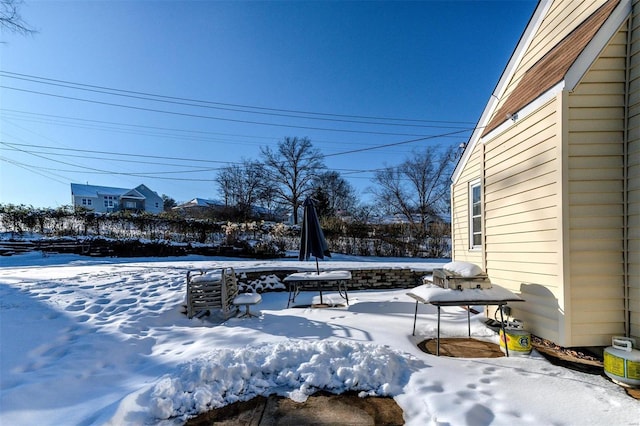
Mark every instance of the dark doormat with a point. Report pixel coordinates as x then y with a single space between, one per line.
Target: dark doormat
461 348
322 408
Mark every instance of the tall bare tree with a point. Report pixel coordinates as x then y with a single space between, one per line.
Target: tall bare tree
292 167
242 185
340 195
11 19
418 189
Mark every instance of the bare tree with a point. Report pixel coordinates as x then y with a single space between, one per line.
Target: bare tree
292 168
340 195
242 185
418 189
11 19
225 179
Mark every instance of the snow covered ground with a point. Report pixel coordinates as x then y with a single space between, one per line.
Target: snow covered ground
103 341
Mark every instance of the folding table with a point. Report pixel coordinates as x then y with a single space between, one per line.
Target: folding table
438 296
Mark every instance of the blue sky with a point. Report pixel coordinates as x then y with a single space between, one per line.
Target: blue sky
118 93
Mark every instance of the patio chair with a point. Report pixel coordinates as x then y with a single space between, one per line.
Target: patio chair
212 290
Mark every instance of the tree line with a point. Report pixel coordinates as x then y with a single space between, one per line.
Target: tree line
259 238
416 191
414 194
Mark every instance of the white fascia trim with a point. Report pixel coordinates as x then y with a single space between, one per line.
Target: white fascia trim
528 109
597 43
507 74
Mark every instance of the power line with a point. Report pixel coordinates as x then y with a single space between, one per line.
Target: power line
395 143
208 117
13 146
66 154
197 160
112 123
109 172
219 105
181 133
33 170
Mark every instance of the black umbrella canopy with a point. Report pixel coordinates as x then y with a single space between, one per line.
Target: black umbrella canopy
312 241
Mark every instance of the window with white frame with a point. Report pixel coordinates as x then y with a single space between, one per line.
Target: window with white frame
475 215
110 201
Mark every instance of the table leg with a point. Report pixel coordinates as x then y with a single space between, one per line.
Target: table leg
504 333
415 316
438 335
293 292
469 319
345 296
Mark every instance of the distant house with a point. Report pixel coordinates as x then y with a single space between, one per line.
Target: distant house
200 204
107 199
203 205
546 196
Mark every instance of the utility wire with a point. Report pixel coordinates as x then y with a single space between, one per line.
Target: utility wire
394 144
219 105
112 123
195 169
100 171
208 117
200 160
180 134
32 169
13 147
190 104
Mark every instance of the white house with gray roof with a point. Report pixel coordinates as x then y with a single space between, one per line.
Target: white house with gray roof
106 199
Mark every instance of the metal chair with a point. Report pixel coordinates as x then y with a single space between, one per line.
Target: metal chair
212 290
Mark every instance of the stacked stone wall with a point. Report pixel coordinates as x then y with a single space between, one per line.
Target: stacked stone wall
361 279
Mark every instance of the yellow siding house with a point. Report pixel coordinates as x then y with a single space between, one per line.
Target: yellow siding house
546 197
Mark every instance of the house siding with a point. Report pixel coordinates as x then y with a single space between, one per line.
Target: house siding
522 201
460 210
108 199
633 179
595 162
561 181
153 203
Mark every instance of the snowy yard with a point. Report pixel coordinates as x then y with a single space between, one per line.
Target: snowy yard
103 341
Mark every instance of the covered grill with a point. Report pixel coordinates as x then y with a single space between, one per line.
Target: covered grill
446 279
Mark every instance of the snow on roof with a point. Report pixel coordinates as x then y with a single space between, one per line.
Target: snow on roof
93 190
201 202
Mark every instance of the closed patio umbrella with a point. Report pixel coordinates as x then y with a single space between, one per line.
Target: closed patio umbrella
312 242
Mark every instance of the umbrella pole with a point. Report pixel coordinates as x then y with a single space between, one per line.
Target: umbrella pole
319 286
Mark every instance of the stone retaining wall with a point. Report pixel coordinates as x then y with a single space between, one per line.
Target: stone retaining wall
362 279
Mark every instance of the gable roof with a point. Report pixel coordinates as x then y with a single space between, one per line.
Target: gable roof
201 202
78 189
81 190
134 194
552 67
568 59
